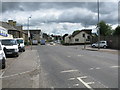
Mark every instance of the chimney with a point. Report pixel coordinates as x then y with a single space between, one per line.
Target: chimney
10 22
14 23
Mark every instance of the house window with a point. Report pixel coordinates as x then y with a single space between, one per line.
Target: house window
76 39
88 37
83 35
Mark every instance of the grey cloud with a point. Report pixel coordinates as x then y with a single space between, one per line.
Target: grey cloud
73 16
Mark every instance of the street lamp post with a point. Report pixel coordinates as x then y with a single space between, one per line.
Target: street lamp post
30 41
98 26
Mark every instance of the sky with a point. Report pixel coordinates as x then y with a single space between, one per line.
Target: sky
60 17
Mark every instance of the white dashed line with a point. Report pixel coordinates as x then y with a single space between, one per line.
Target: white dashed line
83 77
89 87
115 67
98 68
79 55
71 79
76 84
68 56
91 68
67 71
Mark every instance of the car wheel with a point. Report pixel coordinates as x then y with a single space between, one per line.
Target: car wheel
3 63
24 50
93 46
104 46
17 55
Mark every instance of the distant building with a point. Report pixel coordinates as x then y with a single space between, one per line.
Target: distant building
80 37
35 34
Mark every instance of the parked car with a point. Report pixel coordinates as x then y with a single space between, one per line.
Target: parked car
42 42
35 42
21 47
102 44
2 58
52 43
10 47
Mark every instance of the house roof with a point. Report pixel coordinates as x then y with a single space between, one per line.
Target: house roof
7 26
88 31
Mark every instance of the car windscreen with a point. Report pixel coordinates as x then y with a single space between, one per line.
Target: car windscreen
9 42
19 41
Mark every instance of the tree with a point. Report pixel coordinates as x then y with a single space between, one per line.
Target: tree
117 31
105 29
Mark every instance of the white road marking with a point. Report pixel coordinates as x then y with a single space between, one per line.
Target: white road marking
79 55
67 71
68 56
97 68
89 87
90 83
91 68
114 66
83 77
76 84
71 79
52 88
17 74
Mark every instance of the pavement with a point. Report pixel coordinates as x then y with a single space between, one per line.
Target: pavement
23 71
89 48
113 51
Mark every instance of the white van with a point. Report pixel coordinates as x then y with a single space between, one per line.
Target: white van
2 58
20 41
10 47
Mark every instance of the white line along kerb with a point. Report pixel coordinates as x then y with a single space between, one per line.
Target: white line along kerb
89 87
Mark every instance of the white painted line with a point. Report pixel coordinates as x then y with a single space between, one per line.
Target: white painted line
17 74
68 56
76 84
91 68
52 88
79 55
67 71
71 79
115 67
89 87
83 77
98 68
90 83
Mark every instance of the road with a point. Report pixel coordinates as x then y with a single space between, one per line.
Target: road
71 67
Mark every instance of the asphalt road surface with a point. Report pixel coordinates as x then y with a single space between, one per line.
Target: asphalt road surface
69 67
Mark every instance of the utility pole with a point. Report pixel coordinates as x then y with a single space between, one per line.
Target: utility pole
85 37
98 26
29 36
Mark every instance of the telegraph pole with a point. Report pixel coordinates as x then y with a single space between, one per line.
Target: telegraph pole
98 26
29 36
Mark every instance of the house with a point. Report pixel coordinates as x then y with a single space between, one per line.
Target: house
79 37
14 30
